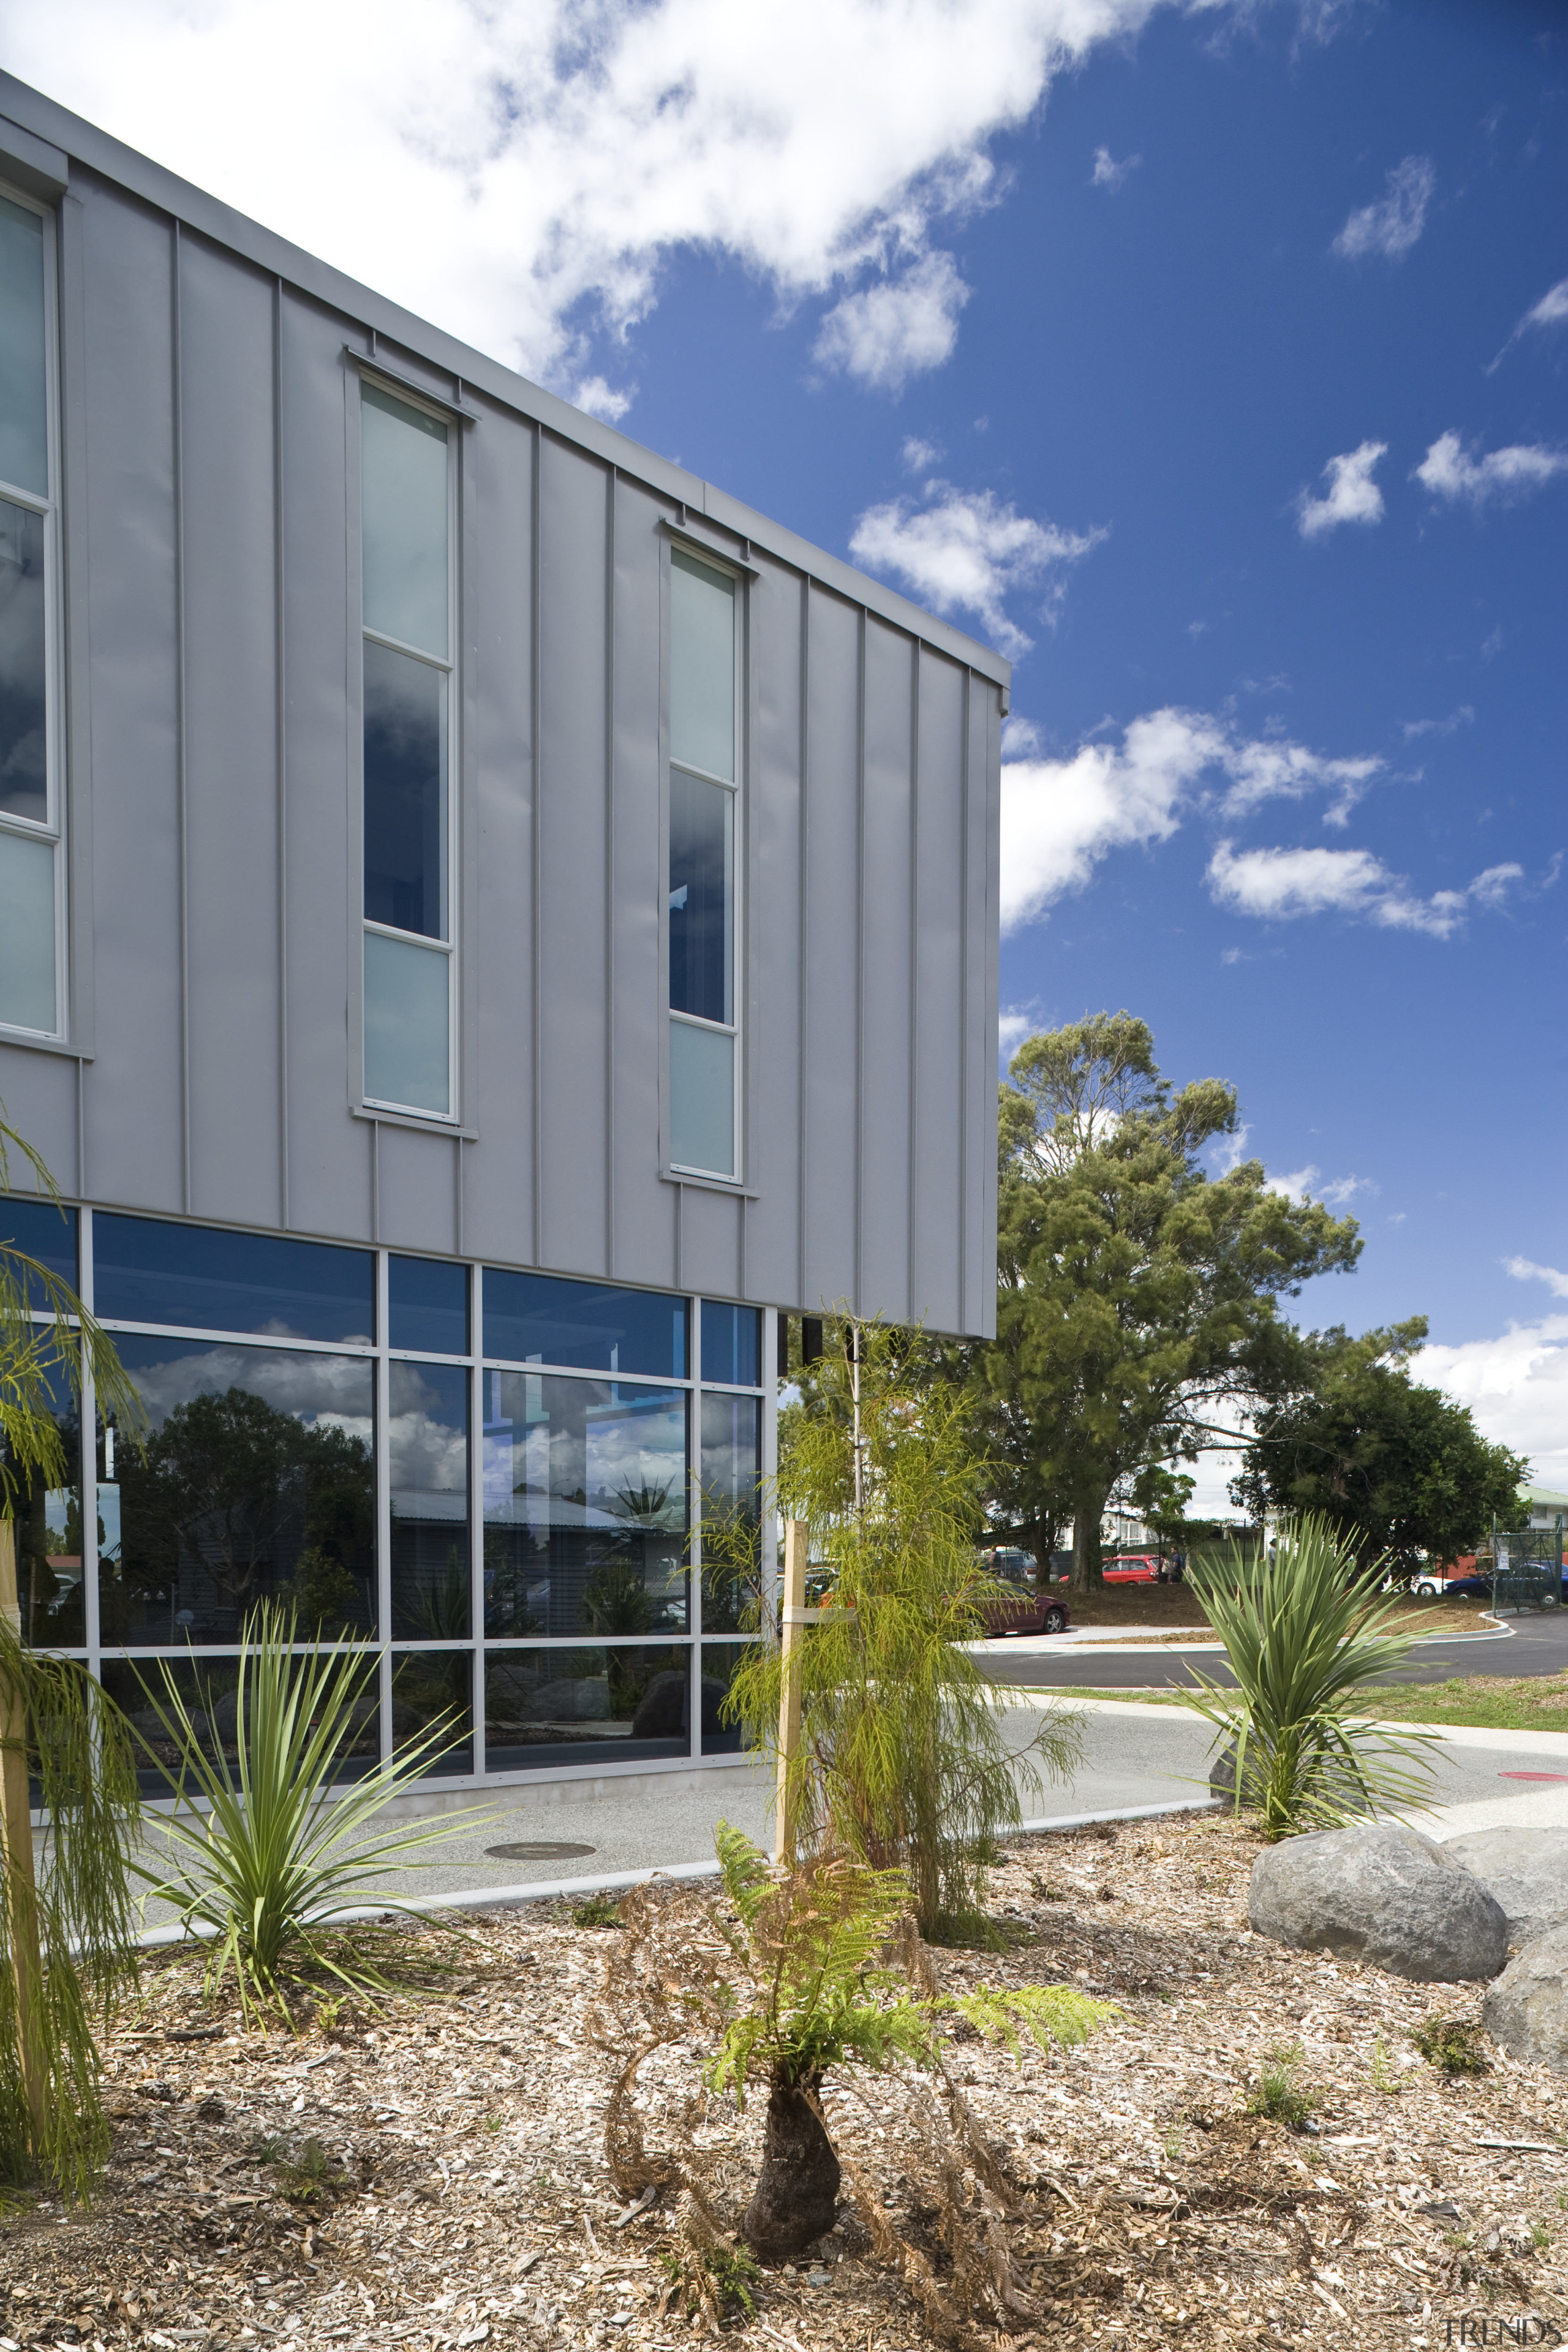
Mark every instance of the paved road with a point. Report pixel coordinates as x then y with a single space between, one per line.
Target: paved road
1533 1644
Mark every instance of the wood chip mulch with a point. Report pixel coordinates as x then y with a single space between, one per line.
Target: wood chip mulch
435 2177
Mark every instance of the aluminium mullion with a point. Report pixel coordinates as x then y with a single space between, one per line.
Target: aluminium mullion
476 1386
382 1457
694 1537
92 1614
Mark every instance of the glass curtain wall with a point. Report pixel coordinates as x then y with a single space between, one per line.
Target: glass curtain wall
31 885
498 1479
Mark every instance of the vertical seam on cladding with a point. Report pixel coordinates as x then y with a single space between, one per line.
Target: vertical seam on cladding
536 925
802 984
178 424
964 1010
858 1268
376 1183
913 1190
281 723
610 481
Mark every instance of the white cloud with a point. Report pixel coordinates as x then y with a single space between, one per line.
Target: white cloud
1448 471
1011 1028
1524 1269
897 329
1279 884
1108 172
1308 1184
1516 1386
1551 310
1062 816
1352 495
1463 717
966 550
601 399
919 457
1271 768
519 170
1392 224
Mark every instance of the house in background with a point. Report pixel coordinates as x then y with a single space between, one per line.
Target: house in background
489 926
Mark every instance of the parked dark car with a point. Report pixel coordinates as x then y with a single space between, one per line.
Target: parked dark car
1032 1612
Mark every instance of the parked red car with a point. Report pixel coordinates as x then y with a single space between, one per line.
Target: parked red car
1031 1611
1131 1567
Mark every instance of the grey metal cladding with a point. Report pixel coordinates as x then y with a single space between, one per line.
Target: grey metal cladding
213 452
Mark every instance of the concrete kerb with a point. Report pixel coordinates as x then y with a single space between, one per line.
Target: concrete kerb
618 1882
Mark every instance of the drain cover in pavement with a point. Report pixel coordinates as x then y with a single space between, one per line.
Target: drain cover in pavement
539 1849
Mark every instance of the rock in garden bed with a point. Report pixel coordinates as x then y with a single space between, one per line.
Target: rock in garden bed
1526 1869
1527 2009
1384 1893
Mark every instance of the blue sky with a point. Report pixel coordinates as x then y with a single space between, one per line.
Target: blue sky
1211 359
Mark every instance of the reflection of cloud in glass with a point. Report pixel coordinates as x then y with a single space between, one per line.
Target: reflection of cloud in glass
427 1453
321 1392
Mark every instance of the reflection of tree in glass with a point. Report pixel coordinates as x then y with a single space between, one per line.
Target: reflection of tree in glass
231 1487
48 1540
440 1609
645 1505
616 1600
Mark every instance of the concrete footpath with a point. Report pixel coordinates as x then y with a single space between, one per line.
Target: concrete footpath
1135 1757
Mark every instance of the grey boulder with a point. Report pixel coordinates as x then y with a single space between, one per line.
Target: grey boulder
1525 1869
1383 1893
1527 2009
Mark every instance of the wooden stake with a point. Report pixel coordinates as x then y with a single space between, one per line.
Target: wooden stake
793 1633
18 1887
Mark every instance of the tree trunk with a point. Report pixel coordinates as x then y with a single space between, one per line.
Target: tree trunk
1043 1535
796 2196
1088 1509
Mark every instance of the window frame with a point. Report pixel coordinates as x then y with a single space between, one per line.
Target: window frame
740 576
394 387
52 830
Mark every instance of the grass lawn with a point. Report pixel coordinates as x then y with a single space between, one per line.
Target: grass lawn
1176 1608
1494 1701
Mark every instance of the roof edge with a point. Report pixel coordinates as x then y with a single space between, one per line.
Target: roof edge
112 160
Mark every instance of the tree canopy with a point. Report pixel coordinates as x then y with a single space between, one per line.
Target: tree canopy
1138 1294
1396 1467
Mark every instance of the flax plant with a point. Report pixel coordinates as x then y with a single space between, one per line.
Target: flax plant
1304 1632
904 1761
276 1853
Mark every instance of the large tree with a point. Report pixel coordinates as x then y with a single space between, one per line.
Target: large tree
1397 1468
1138 1294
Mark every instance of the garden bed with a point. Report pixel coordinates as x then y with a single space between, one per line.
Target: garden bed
435 2179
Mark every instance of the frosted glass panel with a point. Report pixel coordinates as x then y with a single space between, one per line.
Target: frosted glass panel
24 398
404 524
26 933
407 1030
702 665
701 1098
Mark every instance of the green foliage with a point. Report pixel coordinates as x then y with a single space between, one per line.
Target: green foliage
1304 1635
1452 2044
903 1761
597 1911
314 2177
1049 2015
275 1855
1136 1293
79 1749
1398 1469
1278 2093
724 2279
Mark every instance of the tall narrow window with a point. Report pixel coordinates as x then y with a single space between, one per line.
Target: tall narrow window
31 882
704 1037
408 571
